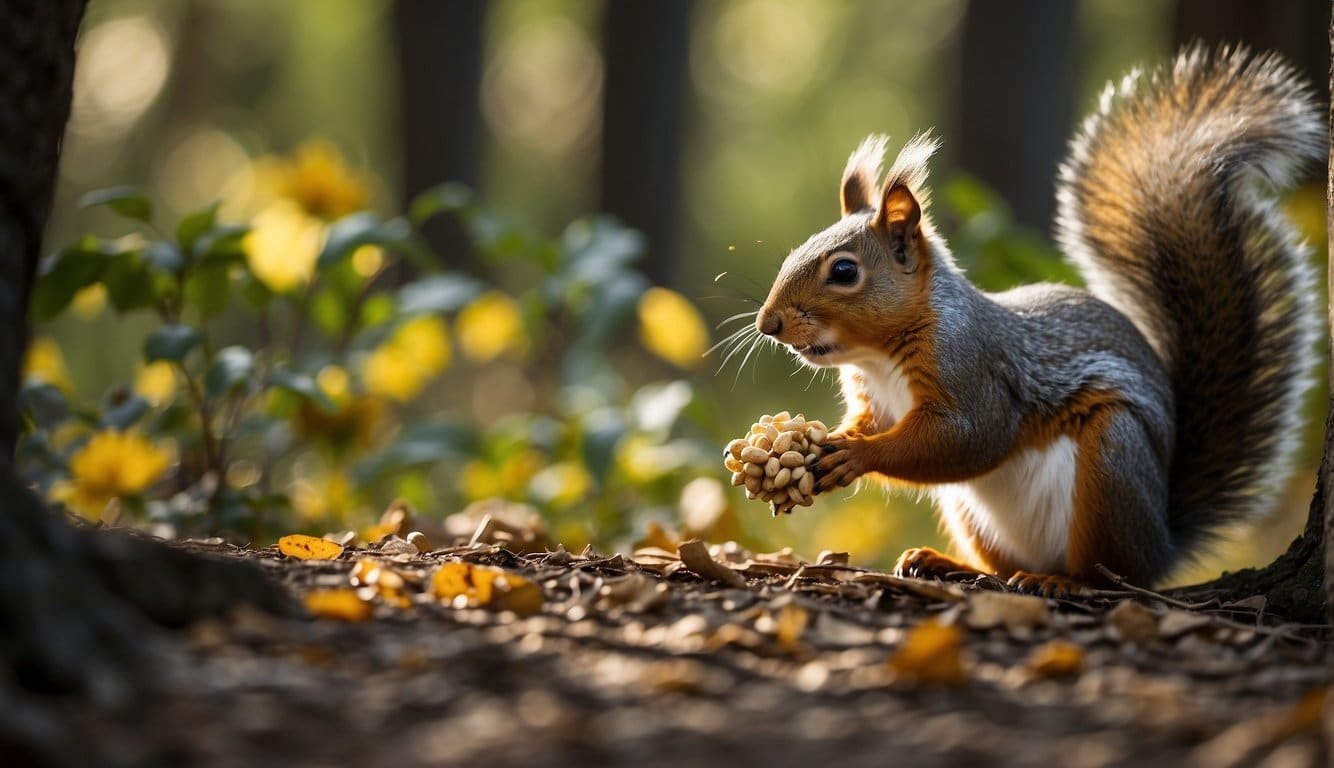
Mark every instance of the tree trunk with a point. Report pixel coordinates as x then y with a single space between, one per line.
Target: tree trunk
76 608
1018 96
642 123
440 71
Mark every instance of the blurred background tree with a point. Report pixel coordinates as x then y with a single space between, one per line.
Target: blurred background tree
718 129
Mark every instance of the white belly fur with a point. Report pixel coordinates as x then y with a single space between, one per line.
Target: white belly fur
1022 509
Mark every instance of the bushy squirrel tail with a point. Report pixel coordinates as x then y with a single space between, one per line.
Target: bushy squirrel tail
1167 206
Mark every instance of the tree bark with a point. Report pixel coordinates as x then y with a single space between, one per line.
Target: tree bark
1019 100
440 72
643 119
77 608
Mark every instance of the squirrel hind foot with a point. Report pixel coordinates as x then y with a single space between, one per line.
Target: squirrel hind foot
927 563
1046 584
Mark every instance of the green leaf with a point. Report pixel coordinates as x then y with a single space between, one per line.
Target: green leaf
129 282
208 288
363 228
377 310
171 342
195 224
231 367
221 244
124 414
421 445
65 274
162 255
328 312
438 293
128 201
302 384
445 198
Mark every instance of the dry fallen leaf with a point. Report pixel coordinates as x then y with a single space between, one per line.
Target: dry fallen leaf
339 604
468 585
1133 622
1017 613
789 624
304 547
695 555
931 654
658 537
1057 658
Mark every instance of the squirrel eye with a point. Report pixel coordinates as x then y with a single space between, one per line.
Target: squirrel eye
843 272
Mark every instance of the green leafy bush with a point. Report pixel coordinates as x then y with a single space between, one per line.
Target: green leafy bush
293 375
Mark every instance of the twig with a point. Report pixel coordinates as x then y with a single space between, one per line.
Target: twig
1141 591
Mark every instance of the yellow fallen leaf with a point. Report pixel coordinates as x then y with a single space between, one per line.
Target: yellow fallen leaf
931 653
657 536
1057 658
304 547
790 623
467 585
338 604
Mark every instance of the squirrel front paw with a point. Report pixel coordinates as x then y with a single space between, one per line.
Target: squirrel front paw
927 563
841 463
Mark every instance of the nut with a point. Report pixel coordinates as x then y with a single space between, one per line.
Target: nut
775 461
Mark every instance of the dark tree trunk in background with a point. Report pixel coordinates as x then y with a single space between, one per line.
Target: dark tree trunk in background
1017 100
440 47
1294 28
647 47
76 608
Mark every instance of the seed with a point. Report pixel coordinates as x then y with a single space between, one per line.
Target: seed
754 470
798 424
734 448
782 416
783 477
772 465
783 443
752 455
791 459
816 435
764 421
753 484
806 484
751 495
797 472
739 478
733 463
419 540
795 493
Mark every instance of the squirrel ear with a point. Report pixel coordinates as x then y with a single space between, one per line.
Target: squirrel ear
898 219
855 194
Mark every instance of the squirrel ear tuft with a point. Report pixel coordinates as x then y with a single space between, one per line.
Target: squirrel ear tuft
898 218
861 175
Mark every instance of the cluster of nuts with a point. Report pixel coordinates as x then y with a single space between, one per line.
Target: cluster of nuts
776 461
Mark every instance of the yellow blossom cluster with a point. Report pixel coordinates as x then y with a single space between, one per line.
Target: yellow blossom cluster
110 465
491 326
671 328
400 367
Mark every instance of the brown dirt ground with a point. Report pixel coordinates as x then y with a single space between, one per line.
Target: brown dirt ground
644 662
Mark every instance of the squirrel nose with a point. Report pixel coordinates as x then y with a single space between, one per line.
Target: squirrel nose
769 323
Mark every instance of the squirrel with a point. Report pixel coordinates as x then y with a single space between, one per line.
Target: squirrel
1056 428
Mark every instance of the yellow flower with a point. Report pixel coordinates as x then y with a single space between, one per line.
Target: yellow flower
317 179
478 480
44 362
671 328
110 465
563 484
367 260
333 380
283 245
156 382
325 497
427 339
89 301
400 367
490 326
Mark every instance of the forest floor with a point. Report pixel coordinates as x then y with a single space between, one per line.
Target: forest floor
727 658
